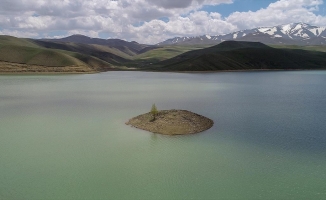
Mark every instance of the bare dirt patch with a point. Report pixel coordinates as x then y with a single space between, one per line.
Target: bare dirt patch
172 122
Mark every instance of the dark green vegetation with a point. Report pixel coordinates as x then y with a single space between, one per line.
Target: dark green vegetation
232 55
154 111
87 55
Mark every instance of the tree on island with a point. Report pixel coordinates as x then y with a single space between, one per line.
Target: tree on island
154 111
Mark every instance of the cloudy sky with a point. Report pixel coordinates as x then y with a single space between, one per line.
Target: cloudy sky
150 21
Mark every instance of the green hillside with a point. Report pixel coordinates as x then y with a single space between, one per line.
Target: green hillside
35 56
27 55
94 63
233 55
107 54
40 55
166 52
112 50
9 40
162 53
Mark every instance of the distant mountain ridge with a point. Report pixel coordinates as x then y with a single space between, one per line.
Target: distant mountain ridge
114 51
130 48
288 34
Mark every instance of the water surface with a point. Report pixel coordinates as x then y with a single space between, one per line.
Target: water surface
64 137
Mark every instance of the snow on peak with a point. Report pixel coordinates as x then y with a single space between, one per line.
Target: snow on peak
286 28
263 30
208 37
317 31
297 27
268 30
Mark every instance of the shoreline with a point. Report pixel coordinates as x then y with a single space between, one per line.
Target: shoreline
186 72
8 68
240 70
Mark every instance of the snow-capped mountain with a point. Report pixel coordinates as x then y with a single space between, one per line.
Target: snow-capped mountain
289 34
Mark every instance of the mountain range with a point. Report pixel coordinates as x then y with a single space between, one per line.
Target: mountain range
288 34
113 51
296 46
130 48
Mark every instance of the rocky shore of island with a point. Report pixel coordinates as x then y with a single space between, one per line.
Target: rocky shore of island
172 122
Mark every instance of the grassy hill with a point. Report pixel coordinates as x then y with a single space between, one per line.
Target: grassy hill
107 54
9 40
232 55
35 56
30 55
23 55
162 53
88 52
166 52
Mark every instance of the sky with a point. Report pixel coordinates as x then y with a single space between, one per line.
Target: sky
151 21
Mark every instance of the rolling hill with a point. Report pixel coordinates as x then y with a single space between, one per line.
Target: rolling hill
23 55
107 54
233 55
160 54
10 40
114 51
31 55
89 54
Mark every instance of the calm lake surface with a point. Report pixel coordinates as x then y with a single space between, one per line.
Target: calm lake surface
64 137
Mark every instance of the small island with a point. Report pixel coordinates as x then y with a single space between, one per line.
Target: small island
171 122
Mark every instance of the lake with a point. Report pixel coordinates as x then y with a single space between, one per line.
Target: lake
64 137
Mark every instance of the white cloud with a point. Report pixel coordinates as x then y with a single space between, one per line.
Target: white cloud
140 19
185 3
280 12
19 34
116 17
197 23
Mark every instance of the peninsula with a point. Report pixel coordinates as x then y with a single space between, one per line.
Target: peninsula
172 122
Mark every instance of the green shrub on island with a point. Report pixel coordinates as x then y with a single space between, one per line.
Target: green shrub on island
154 111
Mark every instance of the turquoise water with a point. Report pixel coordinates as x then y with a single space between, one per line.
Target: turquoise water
64 137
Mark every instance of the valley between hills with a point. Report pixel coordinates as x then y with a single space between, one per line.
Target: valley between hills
82 54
